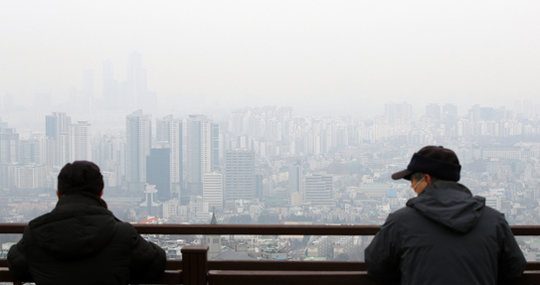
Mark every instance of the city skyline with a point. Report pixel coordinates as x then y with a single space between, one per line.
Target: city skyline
276 167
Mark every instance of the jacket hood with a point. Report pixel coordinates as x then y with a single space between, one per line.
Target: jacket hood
79 226
450 204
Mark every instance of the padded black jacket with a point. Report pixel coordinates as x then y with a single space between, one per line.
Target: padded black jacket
445 236
81 242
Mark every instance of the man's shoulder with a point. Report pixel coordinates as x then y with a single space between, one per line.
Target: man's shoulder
403 213
69 212
126 230
493 214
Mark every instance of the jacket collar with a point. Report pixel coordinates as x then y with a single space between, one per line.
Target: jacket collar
81 198
446 185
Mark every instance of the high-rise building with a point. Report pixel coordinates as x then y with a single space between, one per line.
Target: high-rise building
215 147
112 93
80 141
296 178
137 88
449 113
138 143
29 176
177 158
9 146
110 154
318 190
199 152
57 130
433 112
259 185
169 130
239 175
158 172
162 129
398 113
30 151
213 190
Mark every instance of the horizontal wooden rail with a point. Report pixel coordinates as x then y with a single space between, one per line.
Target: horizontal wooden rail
205 229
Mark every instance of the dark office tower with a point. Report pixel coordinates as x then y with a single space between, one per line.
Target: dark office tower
158 172
239 175
215 147
57 128
259 185
433 112
296 178
169 130
138 143
199 152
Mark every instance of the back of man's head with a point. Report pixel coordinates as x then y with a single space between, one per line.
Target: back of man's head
80 177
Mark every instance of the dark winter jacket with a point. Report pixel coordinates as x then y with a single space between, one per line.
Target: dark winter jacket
81 242
445 236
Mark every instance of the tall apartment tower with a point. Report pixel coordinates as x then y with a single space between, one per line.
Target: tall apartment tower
30 150
215 147
57 127
318 190
79 142
199 152
9 144
138 144
213 190
296 178
239 175
162 129
170 130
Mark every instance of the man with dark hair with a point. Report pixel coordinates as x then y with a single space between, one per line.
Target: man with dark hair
445 235
81 242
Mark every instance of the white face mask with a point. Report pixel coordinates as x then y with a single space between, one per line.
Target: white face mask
417 183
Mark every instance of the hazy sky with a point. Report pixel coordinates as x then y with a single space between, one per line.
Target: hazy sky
315 54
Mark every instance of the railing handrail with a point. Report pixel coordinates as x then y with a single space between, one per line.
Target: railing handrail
252 229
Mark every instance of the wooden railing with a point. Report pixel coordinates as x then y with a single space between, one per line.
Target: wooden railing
195 268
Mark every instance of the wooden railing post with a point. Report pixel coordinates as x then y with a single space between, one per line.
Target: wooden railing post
194 265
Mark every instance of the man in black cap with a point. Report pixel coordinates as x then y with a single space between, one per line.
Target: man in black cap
81 242
445 235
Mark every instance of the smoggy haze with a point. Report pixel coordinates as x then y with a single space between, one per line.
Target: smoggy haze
334 55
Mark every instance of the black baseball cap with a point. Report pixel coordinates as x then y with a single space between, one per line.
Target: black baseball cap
438 161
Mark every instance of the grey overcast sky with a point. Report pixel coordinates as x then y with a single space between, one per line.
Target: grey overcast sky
318 54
